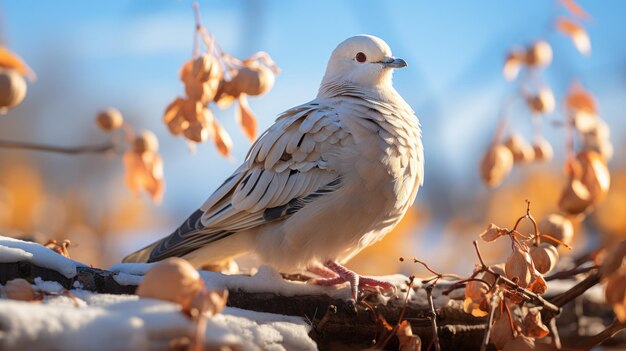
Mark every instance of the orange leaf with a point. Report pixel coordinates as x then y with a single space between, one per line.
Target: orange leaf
246 118
145 171
223 141
579 99
577 33
575 9
9 59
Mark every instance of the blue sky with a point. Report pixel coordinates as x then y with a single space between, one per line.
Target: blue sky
94 54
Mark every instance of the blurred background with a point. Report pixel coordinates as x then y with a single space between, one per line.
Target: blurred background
127 54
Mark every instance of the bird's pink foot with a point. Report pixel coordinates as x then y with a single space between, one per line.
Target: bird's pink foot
343 274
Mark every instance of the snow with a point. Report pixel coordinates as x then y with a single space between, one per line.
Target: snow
14 250
125 322
78 319
266 279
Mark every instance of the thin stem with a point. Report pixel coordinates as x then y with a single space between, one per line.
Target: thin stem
495 302
556 339
570 273
87 149
433 317
406 303
480 257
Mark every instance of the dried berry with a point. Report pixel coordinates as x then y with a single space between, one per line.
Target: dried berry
544 257
517 267
539 54
496 164
173 279
595 174
146 141
12 89
513 64
558 227
543 150
575 197
19 289
541 103
109 119
521 150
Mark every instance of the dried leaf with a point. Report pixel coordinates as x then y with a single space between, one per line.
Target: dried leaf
493 232
144 171
579 99
475 307
61 248
11 60
538 284
595 174
577 34
501 332
246 118
223 142
407 341
533 326
575 9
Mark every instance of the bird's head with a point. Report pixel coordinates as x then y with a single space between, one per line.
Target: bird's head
362 60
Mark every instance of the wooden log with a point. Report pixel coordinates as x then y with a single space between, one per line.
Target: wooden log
337 324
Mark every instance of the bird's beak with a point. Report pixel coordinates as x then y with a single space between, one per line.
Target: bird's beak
392 62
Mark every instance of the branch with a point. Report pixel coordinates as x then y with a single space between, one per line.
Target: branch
577 290
87 149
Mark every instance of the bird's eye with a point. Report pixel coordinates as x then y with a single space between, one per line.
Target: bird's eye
360 57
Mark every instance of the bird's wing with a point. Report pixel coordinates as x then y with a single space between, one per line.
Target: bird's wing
284 170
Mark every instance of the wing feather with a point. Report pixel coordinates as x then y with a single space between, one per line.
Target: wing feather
284 170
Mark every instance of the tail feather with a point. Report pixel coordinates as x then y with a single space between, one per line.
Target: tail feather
171 245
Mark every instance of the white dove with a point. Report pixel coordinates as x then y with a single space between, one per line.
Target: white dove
328 179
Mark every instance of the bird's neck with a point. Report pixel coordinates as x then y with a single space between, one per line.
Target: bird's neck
337 88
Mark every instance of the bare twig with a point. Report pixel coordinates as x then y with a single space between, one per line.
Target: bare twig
570 273
556 340
331 311
402 311
432 315
493 304
87 149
